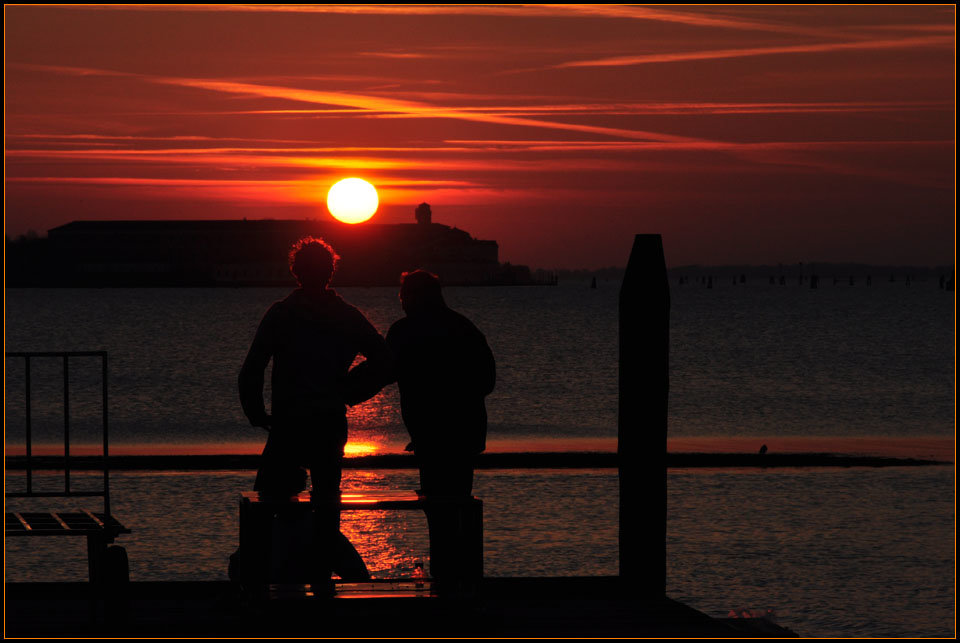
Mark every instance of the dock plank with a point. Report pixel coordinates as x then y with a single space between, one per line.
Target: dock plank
585 606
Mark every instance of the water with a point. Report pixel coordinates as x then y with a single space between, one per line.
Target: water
746 361
851 552
836 552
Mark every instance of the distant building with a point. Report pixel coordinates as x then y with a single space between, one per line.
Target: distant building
423 214
254 252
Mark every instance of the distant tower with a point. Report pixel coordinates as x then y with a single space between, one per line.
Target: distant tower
423 214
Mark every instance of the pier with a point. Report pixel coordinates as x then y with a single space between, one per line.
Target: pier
594 606
634 603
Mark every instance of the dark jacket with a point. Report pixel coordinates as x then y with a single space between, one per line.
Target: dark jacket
444 369
313 338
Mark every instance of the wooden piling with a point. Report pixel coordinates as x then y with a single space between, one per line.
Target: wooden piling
642 425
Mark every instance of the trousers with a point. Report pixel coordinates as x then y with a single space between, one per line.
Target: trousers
445 478
315 443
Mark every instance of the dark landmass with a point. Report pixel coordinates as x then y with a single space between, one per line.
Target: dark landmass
571 460
251 253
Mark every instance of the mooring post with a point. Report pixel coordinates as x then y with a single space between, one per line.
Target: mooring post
642 425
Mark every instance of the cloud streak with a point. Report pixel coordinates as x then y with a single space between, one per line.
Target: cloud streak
688 18
613 146
304 192
369 103
407 108
291 160
220 183
573 12
592 109
744 52
499 157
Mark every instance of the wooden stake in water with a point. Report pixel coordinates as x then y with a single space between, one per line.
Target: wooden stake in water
642 425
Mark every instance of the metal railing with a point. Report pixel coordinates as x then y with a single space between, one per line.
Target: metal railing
67 491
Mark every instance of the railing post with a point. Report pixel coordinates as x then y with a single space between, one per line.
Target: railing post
642 423
27 403
106 454
28 412
66 424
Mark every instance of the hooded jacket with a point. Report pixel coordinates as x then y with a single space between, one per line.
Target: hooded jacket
313 338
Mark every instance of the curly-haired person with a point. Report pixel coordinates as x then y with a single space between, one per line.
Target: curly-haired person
313 337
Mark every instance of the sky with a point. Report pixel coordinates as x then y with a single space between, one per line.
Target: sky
742 134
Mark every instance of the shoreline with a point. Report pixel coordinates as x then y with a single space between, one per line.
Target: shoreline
542 460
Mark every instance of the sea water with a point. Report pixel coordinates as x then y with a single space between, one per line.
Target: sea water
853 552
748 360
825 552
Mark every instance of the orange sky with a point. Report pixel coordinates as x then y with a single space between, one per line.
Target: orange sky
743 134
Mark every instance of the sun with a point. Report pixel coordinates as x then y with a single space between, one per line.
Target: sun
352 200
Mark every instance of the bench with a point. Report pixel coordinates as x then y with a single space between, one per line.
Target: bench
107 563
259 512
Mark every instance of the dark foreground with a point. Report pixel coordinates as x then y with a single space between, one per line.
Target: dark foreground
521 607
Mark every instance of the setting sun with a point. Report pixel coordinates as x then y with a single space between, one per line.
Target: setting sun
352 200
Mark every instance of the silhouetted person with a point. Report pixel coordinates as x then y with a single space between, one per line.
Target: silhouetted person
313 337
444 370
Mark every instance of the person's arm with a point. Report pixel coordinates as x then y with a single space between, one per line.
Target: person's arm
377 370
251 373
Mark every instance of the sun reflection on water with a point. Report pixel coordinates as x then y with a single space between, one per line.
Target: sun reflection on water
390 542
360 448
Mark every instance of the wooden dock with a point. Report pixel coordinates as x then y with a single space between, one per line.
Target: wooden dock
632 604
503 607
